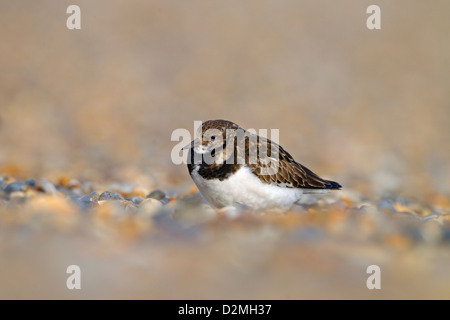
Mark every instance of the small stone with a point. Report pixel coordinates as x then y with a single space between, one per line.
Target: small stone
150 207
111 195
15 186
157 194
88 201
364 208
93 196
47 187
137 200
31 183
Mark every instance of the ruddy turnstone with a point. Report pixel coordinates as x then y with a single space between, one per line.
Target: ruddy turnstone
232 166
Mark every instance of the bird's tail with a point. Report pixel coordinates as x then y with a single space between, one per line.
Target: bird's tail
328 186
332 185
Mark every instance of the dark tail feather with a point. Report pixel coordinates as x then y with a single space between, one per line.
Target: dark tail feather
332 185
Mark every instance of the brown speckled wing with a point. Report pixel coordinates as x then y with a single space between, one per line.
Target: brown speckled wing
287 172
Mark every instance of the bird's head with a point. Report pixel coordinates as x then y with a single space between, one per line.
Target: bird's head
212 136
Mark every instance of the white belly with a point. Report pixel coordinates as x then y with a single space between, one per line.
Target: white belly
244 188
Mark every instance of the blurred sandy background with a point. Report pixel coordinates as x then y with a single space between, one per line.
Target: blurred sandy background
369 109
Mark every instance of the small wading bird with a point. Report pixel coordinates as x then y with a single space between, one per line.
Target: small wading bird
232 167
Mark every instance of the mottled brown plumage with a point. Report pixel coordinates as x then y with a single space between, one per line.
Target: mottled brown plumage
266 159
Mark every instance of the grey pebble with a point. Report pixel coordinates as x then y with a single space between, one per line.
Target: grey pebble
366 208
15 186
31 183
88 201
47 187
150 206
157 194
93 197
137 200
111 195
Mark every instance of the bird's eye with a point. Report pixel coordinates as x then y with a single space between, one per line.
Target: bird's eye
213 138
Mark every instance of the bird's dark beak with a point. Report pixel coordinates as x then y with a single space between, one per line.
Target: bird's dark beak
194 143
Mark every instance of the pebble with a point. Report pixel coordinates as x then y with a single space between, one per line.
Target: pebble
31 183
88 201
150 207
137 200
111 195
47 187
93 196
15 186
367 207
157 194
401 222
